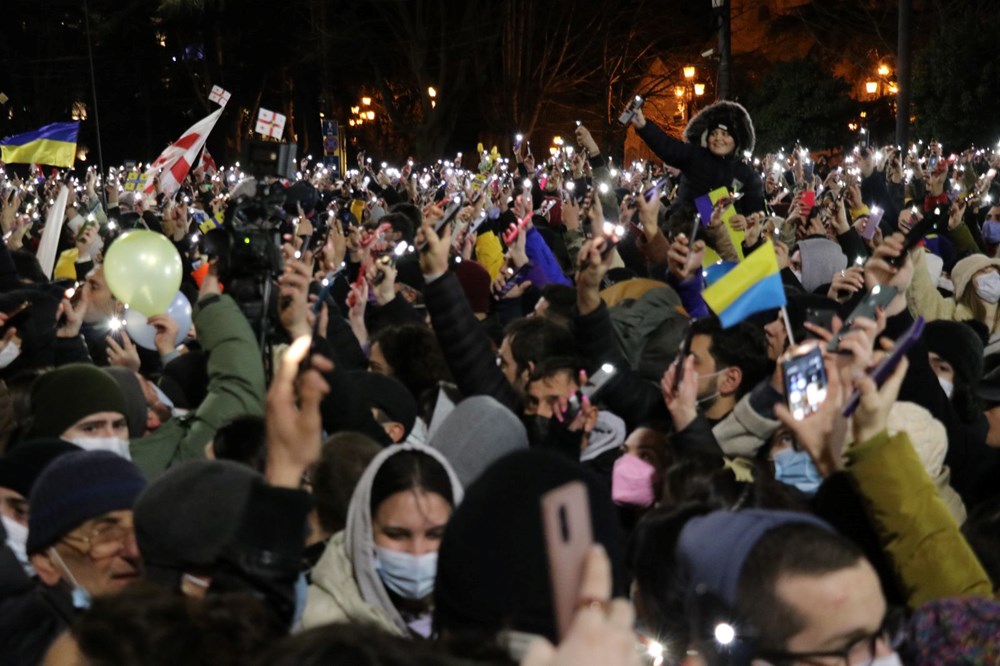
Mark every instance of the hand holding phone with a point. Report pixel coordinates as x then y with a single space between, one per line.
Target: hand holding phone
805 382
879 297
630 112
568 539
884 370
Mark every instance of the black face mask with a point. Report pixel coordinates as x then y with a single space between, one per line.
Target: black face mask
538 430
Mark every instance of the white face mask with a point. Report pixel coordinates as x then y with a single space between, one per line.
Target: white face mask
889 660
112 444
17 538
988 287
710 398
946 386
9 353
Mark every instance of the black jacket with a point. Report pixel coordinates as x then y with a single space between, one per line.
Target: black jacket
702 171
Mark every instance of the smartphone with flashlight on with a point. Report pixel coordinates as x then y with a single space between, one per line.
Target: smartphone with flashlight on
591 390
457 201
879 297
630 112
805 381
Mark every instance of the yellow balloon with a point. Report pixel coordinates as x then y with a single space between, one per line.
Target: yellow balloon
143 270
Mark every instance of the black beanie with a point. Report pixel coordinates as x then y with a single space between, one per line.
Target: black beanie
186 517
958 344
69 393
493 571
388 394
77 487
24 463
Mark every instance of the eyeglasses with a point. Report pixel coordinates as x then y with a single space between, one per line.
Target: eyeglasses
106 539
859 653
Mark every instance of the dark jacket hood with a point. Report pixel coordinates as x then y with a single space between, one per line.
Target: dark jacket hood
730 114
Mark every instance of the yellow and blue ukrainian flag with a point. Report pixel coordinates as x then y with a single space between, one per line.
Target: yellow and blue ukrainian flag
753 286
53 144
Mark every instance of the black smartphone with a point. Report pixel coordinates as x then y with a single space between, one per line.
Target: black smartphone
822 317
916 234
457 201
805 382
888 365
879 296
610 243
682 354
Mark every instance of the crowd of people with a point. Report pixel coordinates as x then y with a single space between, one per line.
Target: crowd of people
344 458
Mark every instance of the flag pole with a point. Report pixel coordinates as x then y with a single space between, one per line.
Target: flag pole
93 92
788 327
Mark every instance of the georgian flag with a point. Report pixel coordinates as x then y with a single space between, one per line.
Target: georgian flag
207 163
219 96
270 123
174 163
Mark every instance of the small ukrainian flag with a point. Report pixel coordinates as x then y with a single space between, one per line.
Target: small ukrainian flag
753 286
53 144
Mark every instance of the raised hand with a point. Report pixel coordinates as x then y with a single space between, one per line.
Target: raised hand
293 421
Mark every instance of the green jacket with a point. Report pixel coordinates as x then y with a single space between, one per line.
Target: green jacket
929 553
236 387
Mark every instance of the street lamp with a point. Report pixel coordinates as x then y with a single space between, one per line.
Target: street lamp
431 92
366 101
699 89
689 72
871 87
883 70
679 92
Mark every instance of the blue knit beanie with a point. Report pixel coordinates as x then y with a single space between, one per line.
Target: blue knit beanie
75 488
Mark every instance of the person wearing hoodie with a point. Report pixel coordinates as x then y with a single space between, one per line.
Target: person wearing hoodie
711 155
977 290
381 568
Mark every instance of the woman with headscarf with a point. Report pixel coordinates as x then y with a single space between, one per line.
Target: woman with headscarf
380 570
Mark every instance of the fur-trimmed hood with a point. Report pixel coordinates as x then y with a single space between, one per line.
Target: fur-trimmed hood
730 115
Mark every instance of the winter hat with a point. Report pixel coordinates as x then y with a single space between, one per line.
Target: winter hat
475 281
408 271
187 516
477 432
388 394
76 487
731 117
821 260
493 571
958 344
713 548
22 465
957 631
135 401
69 393
608 435
185 379
962 272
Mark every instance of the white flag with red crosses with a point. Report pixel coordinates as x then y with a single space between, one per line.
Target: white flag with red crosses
174 163
219 96
270 123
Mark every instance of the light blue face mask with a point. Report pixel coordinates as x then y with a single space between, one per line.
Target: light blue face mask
301 589
81 597
409 576
796 468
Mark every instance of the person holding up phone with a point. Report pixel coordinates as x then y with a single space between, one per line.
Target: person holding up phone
711 155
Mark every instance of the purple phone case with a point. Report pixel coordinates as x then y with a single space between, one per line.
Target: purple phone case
888 365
